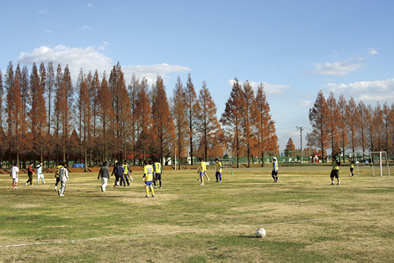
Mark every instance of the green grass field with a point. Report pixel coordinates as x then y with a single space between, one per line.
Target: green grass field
306 219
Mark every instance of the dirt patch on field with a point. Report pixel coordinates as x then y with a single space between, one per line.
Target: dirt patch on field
24 206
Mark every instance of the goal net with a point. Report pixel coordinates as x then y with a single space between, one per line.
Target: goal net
379 163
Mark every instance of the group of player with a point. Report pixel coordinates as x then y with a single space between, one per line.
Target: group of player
336 162
30 171
202 170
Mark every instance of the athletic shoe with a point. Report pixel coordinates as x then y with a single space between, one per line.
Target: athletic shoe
61 195
146 196
338 183
153 195
25 183
332 183
44 182
55 188
208 180
160 187
202 184
131 178
155 186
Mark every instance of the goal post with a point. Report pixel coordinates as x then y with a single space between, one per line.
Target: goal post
380 163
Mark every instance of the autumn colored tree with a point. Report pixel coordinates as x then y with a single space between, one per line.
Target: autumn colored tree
267 139
232 119
49 89
318 137
181 123
341 124
334 117
3 137
388 129
353 120
133 89
192 113
14 109
144 120
106 117
38 110
208 124
163 123
94 86
248 111
290 148
362 130
122 112
63 109
1 99
379 128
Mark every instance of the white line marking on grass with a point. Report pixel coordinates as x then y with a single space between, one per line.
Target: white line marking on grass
88 239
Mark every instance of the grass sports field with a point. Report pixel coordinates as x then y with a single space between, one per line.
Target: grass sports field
306 219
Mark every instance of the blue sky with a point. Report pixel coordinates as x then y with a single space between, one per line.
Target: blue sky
296 48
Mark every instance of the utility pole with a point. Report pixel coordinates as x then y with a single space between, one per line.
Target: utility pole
300 129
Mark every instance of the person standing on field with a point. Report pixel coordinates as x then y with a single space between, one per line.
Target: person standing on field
125 173
202 170
104 173
157 173
275 169
30 172
219 170
63 176
57 175
148 178
335 169
14 175
351 166
40 175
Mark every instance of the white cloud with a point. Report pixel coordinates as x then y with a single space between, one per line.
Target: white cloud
372 51
48 31
337 68
43 11
90 59
84 28
367 91
268 88
305 103
90 5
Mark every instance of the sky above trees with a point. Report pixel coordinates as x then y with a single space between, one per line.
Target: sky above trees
295 48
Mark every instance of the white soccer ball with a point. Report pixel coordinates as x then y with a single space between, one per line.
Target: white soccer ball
260 233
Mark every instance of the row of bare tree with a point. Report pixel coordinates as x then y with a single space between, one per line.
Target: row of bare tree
43 116
347 125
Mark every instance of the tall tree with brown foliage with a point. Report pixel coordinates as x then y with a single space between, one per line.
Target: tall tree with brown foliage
85 117
290 148
248 110
163 123
334 117
341 124
318 137
2 133
14 109
144 120
38 110
232 119
193 110
267 140
106 117
353 119
209 126
362 130
181 123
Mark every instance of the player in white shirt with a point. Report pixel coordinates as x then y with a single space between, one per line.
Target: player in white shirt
40 175
14 175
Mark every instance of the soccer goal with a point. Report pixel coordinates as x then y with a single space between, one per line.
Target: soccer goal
379 163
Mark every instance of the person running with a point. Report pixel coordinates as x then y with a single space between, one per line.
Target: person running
104 173
14 175
335 169
148 178
351 166
158 171
63 176
30 172
275 169
202 170
114 172
219 170
40 175
57 175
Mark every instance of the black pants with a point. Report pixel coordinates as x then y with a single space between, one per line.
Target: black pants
121 178
30 178
125 178
57 181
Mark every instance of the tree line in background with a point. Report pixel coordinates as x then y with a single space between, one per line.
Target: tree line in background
346 125
43 116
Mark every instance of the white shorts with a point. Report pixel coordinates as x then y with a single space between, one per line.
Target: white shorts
15 180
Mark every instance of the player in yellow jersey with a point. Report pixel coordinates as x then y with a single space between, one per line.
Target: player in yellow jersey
202 170
158 171
219 170
148 178
57 175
